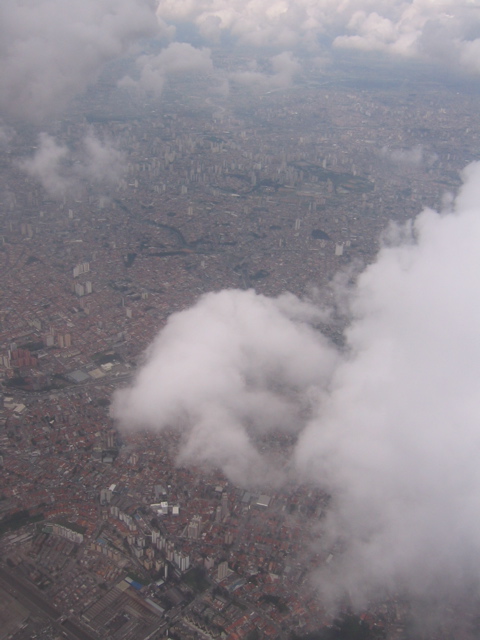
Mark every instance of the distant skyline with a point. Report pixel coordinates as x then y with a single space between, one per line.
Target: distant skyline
50 52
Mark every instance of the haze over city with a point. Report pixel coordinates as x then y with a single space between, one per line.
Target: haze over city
238 322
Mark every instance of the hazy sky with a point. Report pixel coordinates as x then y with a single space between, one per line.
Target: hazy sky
51 50
416 28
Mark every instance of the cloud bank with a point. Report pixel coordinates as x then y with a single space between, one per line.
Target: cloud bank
396 439
51 50
389 424
406 28
178 59
283 68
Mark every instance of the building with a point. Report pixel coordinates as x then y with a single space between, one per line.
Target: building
225 510
222 570
194 528
182 561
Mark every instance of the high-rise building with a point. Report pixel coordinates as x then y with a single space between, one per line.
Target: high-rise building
194 528
159 491
105 496
225 510
222 570
82 267
182 560
79 289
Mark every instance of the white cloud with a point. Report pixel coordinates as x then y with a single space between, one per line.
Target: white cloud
60 169
100 161
48 165
235 364
396 440
409 157
6 134
283 68
389 424
51 50
406 28
177 59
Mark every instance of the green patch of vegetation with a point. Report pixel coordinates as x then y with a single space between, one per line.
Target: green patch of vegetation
34 345
318 234
73 526
130 259
104 357
260 275
18 520
196 579
342 182
277 602
347 627
15 382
